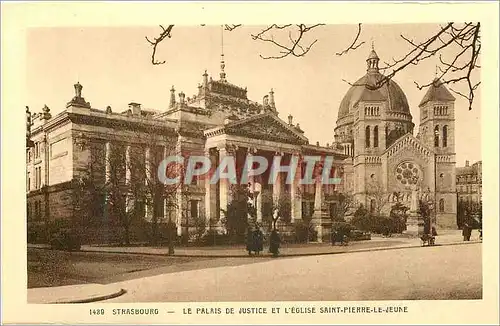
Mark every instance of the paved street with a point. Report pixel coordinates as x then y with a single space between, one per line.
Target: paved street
441 272
48 268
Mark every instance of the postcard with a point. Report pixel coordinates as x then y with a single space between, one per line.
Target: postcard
317 163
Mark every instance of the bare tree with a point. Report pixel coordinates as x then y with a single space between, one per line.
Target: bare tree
379 197
346 203
457 45
462 40
155 194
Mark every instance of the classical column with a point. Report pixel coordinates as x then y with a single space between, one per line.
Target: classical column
128 175
296 193
149 205
278 184
254 185
258 201
224 185
210 192
181 203
166 205
319 215
108 162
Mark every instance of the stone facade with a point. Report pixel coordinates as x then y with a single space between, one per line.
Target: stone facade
469 182
375 128
84 145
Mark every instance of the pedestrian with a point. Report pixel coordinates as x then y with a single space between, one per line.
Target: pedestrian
274 243
250 240
259 243
333 237
466 231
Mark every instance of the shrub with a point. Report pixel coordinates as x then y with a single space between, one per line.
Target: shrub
66 240
213 237
304 232
373 223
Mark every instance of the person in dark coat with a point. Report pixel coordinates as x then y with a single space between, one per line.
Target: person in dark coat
466 231
250 241
274 244
333 237
259 241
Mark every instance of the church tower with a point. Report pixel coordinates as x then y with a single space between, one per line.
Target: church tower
437 132
373 114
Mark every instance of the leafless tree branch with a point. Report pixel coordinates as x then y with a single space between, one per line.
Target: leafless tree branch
353 45
231 28
462 40
294 46
166 32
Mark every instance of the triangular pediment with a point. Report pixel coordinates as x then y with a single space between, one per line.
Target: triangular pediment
408 142
266 126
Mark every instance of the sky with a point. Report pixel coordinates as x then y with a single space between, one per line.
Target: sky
114 66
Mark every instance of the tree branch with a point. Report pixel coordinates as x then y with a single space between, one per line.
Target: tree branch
353 45
294 47
166 32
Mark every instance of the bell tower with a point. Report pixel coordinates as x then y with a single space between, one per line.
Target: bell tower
437 132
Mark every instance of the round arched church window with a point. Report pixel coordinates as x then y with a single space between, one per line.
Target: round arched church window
408 173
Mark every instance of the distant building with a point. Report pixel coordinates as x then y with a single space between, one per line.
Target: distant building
469 182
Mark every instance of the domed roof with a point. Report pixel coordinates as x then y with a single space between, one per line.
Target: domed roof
365 89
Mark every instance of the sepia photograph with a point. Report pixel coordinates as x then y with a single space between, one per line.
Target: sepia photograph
387 114
339 165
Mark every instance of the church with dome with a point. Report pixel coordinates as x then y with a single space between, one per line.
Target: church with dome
388 159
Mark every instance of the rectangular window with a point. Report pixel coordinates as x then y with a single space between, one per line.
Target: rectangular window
28 181
194 208
37 150
307 209
38 177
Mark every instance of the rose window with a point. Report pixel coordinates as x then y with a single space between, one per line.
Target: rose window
408 173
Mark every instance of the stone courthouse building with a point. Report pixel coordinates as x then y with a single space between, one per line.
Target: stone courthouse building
83 142
375 128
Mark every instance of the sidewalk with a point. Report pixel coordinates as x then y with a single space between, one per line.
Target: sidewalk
446 237
81 293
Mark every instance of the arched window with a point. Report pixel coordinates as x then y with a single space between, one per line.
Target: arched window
367 136
436 136
445 136
441 205
375 136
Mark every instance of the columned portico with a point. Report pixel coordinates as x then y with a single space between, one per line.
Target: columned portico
267 193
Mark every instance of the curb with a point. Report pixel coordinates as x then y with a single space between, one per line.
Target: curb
281 255
94 298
